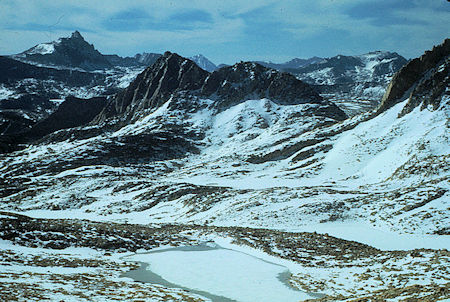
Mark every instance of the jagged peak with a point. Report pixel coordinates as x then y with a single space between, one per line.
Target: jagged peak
246 66
167 54
170 59
76 35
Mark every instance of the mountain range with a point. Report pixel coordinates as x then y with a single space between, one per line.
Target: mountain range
247 157
355 83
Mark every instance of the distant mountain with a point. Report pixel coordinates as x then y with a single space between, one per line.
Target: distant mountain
292 64
76 52
356 83
73 52
375 66
146 58
203 63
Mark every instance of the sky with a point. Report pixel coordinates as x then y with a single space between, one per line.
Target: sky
229 31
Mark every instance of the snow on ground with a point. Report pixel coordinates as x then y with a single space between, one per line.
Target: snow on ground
364 180
222 272
383 239
74 274
375 149
6 93
42 49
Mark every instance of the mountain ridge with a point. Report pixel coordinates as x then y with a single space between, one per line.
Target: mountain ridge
412 74
173 76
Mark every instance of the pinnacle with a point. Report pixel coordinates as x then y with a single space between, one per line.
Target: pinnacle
76 35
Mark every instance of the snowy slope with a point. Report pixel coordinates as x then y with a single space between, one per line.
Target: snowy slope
388 173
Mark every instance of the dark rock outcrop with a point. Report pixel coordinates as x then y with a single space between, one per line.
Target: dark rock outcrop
247 80
73 112
422 79
430 91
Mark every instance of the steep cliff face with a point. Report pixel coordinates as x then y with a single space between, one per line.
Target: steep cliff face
422 79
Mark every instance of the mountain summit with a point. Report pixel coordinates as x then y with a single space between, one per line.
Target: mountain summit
73 52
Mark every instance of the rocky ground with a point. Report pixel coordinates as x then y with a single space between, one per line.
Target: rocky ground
83 261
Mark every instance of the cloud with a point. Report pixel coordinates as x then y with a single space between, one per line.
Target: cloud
383 13
230 30
137 19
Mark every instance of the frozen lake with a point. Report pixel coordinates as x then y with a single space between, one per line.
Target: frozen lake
217 273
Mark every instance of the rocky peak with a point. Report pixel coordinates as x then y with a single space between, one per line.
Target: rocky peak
76 35
177 78
170 74
73 52
431 70
249 80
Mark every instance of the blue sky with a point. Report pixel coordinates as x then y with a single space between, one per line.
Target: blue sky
231 31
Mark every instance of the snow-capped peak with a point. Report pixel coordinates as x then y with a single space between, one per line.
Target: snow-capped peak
204 63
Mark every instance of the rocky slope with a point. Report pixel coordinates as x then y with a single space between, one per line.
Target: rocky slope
168 75
174 77
251 147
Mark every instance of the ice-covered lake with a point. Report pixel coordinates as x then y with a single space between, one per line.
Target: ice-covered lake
217 273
